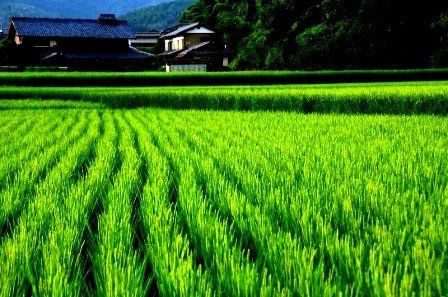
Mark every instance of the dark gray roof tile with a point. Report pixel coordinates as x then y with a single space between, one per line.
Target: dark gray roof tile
72 28
180 30
132 53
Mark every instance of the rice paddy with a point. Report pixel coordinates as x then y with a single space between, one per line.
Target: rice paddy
358 98
294 190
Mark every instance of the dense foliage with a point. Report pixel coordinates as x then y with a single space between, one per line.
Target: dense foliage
329 33
161 16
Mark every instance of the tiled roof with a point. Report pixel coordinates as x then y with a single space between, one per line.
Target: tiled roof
171 29
200 30
72 28
180 30
204 49
191 49
147 35
132 53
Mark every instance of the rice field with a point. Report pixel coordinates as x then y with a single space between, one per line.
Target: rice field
73 79
102 201
409 98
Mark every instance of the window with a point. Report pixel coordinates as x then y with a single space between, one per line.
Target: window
168 45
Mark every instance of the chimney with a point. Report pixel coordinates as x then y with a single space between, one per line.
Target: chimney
107 18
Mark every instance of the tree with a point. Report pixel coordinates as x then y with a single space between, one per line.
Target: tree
314 34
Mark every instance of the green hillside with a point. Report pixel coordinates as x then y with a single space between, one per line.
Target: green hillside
74 8
160 16
19 9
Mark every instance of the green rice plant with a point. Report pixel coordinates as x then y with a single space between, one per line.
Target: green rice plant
17 194
10 122
334 215
215 78
368 98
20 252
291 266
63 267
213 237
17 154
15 132
166 202
118 267
169 253
25 106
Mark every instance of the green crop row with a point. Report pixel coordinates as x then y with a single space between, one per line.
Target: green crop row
98 201
217 78
379 98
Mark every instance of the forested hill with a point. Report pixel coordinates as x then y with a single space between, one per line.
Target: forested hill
330 33
70 8
160 16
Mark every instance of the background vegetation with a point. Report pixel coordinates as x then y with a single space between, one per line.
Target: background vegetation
330 34
289 34
161 16
72 8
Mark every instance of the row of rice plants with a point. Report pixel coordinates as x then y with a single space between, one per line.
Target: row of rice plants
168 248
14 124
27 106
152 201
213 238
15 151
354 197
18 152
287 263
66 255
8 122
387 98
17 135
28 173
21 252
118 267
215 78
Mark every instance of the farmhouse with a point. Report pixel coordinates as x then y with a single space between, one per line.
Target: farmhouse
146 39
190 47
74 42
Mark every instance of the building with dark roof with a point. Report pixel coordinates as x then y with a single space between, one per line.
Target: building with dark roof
146 39
193 44
74 42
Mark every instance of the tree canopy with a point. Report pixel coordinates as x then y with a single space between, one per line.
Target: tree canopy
315 34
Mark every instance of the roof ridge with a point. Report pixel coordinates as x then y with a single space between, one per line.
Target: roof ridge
60 19
181 29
